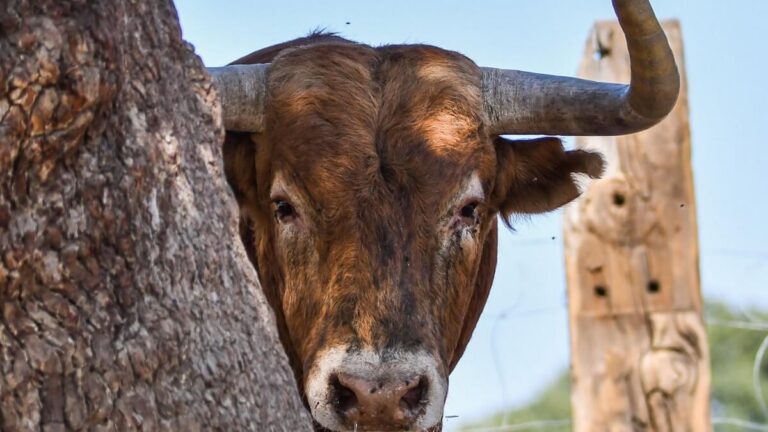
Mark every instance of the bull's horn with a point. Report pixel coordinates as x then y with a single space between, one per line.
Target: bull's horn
242 89
526 103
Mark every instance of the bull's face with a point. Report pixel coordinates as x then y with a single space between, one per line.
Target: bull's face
370 190
376 187
380 174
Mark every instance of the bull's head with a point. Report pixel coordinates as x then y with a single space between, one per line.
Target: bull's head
371 179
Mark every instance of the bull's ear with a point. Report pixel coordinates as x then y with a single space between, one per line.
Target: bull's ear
239 165
538 175
240 169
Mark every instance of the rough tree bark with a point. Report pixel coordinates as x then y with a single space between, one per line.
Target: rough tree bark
126 300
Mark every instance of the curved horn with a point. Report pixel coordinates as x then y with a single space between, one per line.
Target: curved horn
527 103
243 90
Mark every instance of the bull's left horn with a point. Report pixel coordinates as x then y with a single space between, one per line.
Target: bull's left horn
518 102
243 90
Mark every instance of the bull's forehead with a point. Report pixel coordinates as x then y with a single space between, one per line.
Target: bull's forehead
342 114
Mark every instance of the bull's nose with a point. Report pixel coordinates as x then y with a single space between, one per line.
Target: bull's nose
378 404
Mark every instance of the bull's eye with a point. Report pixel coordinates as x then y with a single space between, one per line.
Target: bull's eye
468 213
284 212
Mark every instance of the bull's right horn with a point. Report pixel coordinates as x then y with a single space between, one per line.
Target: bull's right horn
243 90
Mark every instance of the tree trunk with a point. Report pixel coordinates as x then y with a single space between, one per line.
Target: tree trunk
126 299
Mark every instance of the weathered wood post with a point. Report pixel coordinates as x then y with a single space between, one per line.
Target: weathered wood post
639 350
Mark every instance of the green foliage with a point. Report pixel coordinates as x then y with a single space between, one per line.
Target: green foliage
732 351
733 358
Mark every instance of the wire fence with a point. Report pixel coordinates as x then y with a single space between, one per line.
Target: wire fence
751 325
748 321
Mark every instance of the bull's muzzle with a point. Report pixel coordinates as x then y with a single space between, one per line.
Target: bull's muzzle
364 390
384 403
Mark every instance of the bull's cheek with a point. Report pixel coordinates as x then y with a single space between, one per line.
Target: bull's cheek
469 244
305 331
301 299
456 276
464 253
297 259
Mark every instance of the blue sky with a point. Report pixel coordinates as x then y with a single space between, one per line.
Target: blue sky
524 327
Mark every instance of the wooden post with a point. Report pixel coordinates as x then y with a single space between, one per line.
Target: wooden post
639 349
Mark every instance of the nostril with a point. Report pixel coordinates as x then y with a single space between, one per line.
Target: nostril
385 402
414 399
342 397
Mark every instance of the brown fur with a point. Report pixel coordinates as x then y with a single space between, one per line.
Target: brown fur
373 143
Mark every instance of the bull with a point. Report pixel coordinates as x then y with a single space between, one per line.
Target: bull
370 180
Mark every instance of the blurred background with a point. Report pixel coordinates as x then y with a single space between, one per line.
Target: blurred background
517 361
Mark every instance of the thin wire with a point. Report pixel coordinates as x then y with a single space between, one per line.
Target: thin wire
534 241
725 252
504 314
756 376
752 324
538 424
746 424
741 325
497 365
750 314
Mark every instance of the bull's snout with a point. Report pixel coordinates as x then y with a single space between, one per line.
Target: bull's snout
365 390
386 403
